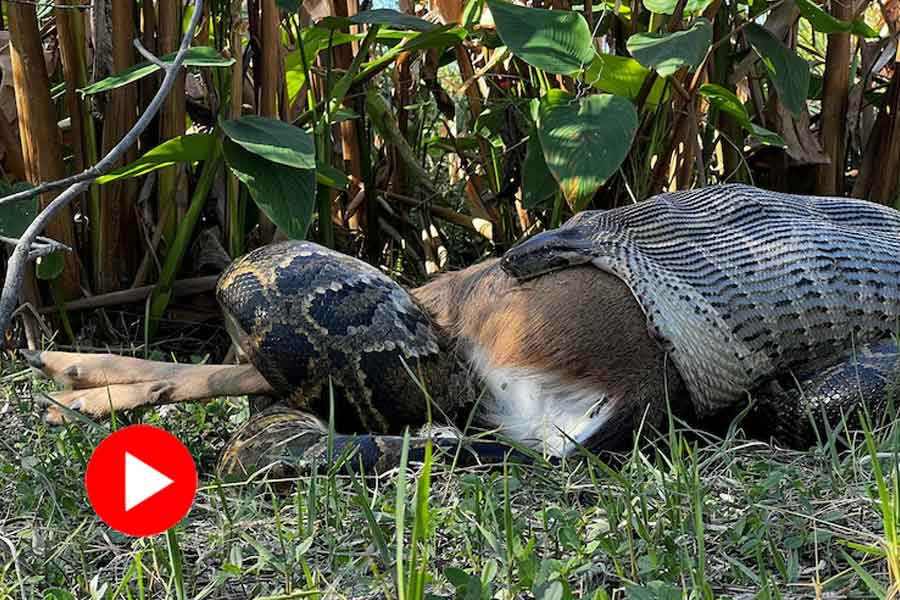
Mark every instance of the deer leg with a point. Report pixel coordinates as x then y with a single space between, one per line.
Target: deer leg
106 382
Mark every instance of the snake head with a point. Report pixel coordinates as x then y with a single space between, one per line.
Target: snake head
546 252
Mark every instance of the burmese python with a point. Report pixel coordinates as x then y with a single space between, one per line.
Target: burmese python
748 291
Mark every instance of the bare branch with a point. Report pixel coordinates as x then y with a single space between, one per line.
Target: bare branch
147 54
41 247
15 272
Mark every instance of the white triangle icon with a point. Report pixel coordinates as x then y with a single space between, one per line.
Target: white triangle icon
141 481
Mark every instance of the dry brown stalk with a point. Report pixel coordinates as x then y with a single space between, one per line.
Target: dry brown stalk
172 117
37 128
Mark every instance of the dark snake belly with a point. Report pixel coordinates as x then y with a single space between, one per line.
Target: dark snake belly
330 332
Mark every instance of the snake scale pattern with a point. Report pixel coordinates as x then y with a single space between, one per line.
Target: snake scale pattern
790 299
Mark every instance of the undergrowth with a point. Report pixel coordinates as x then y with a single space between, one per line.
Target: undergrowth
683 518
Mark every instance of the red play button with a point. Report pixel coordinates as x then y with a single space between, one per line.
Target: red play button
141 480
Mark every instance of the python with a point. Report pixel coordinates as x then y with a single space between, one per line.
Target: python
690 302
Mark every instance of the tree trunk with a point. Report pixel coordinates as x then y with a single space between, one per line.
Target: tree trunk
38 130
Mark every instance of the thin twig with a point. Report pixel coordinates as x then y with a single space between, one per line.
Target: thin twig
15 272
147 54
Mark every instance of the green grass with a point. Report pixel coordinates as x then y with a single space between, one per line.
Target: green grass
683 519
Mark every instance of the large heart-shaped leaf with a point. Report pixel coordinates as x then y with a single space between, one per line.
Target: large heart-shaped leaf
184 148
274 140
726 101
788 72
621 76
285 194
585 141
825 23
15 217
666 52
198 56
556 41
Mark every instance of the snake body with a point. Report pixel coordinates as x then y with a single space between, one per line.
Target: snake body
789 299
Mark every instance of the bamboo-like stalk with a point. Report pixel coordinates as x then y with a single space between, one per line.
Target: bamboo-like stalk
835 90
235 210
172 118
72 43
271 59
272 78
350 150
148 85
38 130
117 224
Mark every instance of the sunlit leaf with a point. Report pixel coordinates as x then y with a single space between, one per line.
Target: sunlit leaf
662 7
585 141
556 41
198 56
622 76
825 23
182 149
788 72
666 52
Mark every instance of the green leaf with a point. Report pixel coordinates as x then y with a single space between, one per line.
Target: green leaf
667 7
315 39
556 41
285 194
15 217
585 141
825 23
379 16
538 183
289 5
662 7
622 76
666 52
274 140
693 7
49 267
182 149
726 101
330 176
440 38
198 56
788 72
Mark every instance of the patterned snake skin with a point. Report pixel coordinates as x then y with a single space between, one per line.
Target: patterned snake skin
789 299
